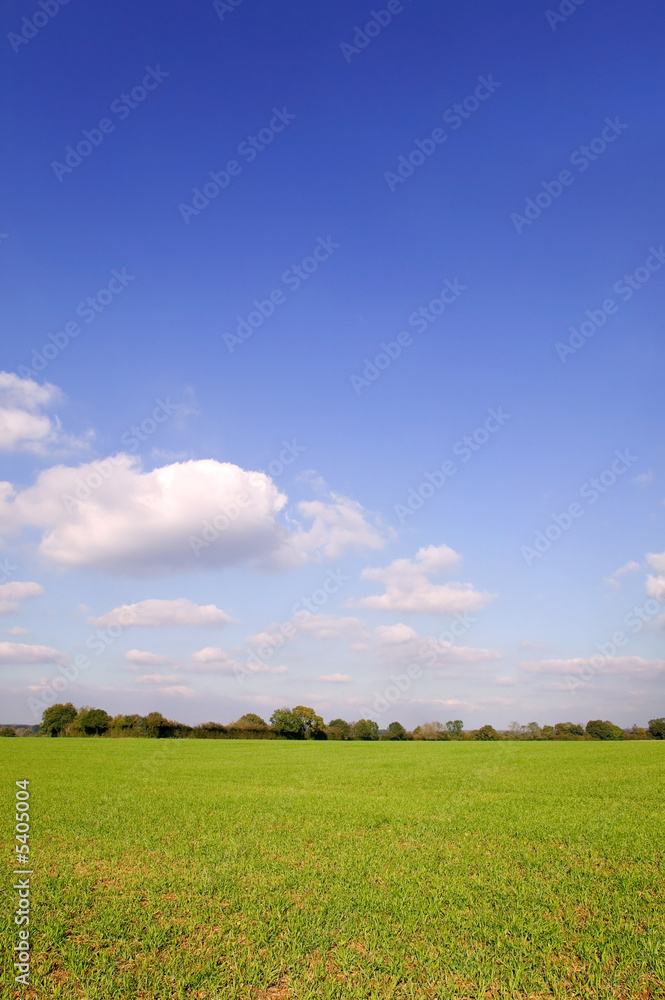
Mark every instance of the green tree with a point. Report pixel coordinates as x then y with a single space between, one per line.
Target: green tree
365 729
547 733
455 728
487 733
7 731
250 721
600 730
56 718
397 730
568 730
657 729
313 726
287 723
93 721
339 729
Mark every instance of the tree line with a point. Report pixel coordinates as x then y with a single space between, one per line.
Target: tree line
302 723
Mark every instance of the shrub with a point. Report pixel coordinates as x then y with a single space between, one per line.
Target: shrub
600 730
487 733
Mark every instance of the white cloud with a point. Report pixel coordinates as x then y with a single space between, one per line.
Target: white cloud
17 630
644 479
11 595
505 681
401 644
188 515
606 665
19 653
157 679
215 660
529 644
409 589
390 635
319 626
141 658
629 567
339 525
24 426
335 679
160 613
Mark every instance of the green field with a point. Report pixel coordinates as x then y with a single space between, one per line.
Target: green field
243 869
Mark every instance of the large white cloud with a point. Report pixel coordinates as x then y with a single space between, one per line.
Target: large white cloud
158 613
409 588
114 517
24 426
11 595
14 654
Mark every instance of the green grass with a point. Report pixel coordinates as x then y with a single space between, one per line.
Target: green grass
254 870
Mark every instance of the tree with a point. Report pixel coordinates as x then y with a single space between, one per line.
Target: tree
339 729
600 730
287 723
487 733
397 730
547 733
455 728
432 730
532 731
568 730
313 727
365 729
7 731
250 721
657 729
93 721
56 718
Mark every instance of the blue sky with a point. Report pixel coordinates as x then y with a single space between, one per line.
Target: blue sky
364 197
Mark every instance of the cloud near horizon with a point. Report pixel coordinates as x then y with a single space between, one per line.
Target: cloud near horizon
17 654
160 613
409 589
628 666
